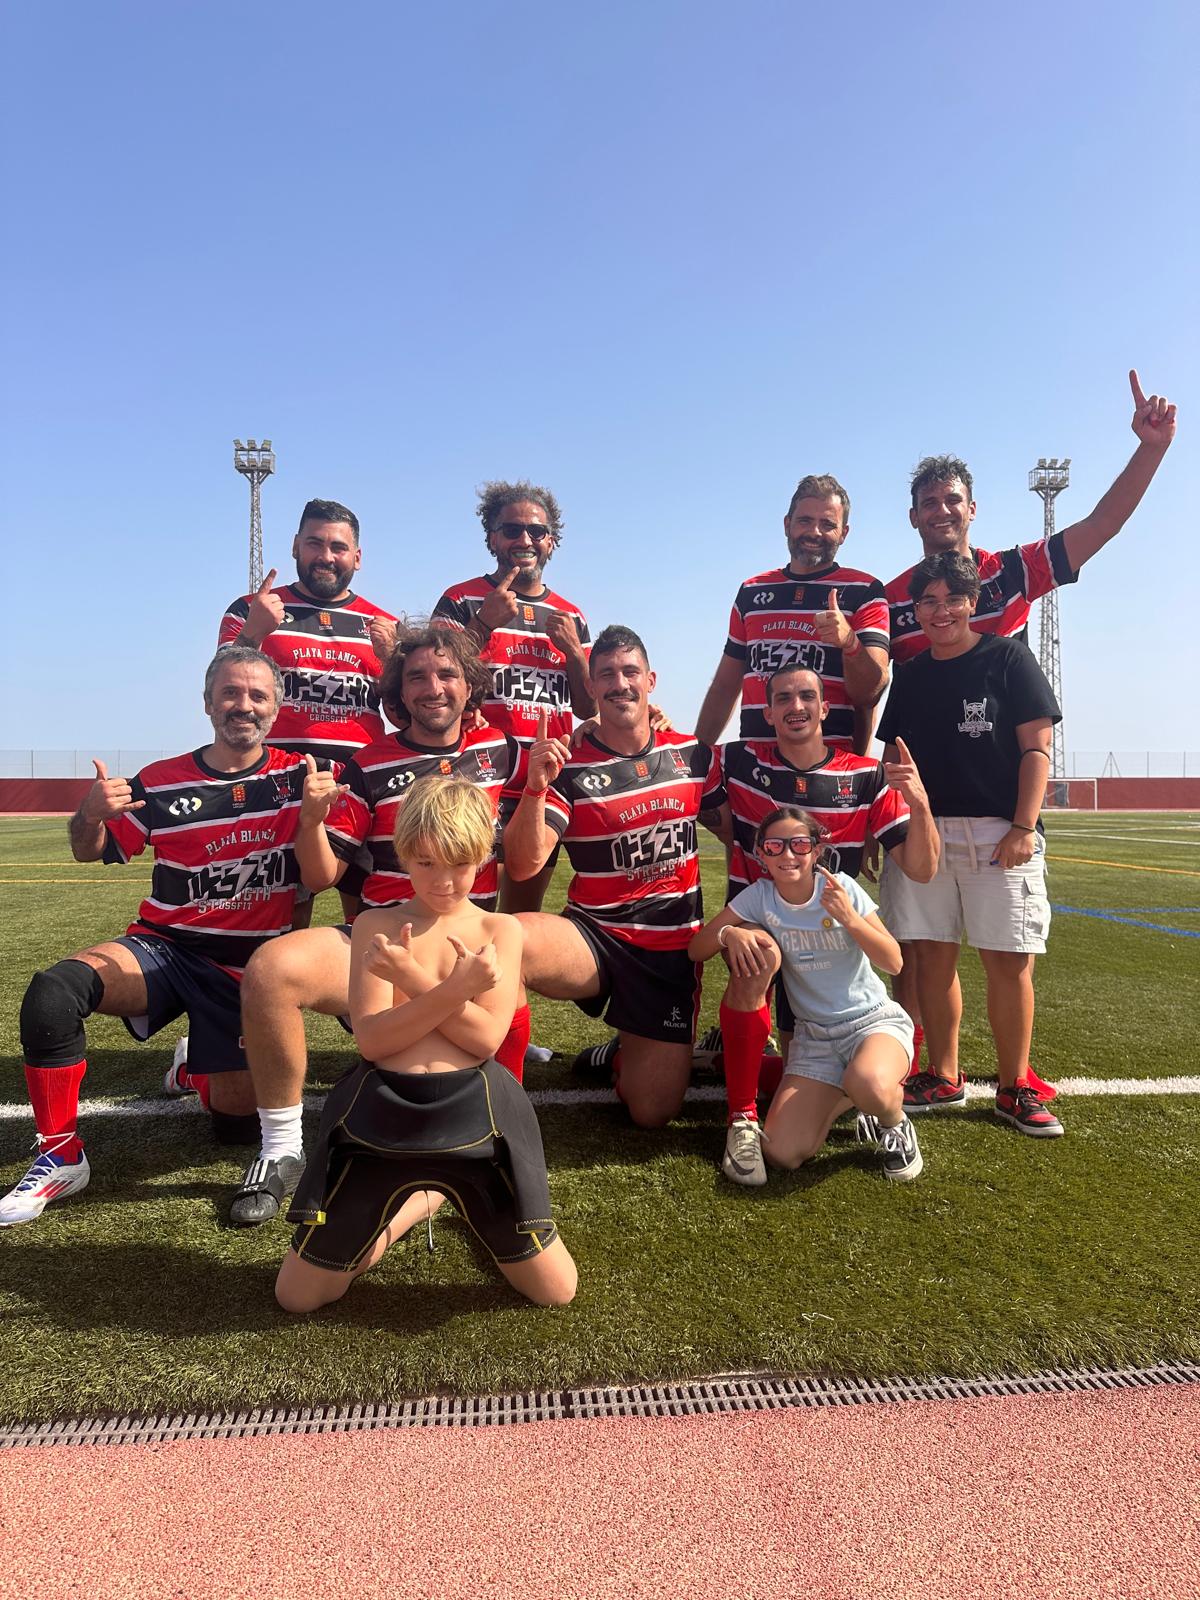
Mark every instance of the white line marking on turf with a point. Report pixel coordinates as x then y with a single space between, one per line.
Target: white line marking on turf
1069 1088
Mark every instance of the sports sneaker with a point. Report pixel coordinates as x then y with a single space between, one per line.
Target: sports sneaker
708 1051
902 1160
536 1055
597 1061
175 1084
263 1187
49 1178
927 1091
743 1162
1044 1091
1023 1108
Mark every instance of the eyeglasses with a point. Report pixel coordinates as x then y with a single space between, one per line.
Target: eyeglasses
515 530
799 844
929 603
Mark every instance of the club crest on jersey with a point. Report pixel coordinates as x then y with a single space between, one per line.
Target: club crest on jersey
238 795
184 805
679 761
326 621
487 767
528 613
975 723
801 789
281 782
445 767
595 780
642 770
845 792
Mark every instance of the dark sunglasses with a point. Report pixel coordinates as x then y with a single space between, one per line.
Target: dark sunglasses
514 530
799 844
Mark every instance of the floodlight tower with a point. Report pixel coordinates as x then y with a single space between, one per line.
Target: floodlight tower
256 462
1049 479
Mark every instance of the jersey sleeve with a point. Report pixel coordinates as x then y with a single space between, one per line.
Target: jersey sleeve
871 619
1034 569
233 622
126 836
1028 691
712 795
888 817
735 645
558 805
748 902
349 819
453 610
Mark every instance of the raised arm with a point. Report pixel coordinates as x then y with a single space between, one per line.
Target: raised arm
1154 425
106 799
720 700
528 839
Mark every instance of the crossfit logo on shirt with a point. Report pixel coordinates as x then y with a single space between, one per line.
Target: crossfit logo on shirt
651 847
530 686
772 655
185 806
974 723
255 878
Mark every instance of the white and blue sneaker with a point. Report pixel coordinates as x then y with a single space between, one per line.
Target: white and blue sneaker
49 1178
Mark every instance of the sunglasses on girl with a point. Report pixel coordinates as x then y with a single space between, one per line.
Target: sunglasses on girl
799 844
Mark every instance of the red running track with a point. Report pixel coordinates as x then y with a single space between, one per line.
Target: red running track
1057 1496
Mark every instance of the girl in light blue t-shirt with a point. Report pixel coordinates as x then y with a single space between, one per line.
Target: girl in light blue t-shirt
852 1045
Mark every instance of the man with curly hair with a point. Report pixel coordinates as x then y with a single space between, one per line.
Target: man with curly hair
433 678
534 641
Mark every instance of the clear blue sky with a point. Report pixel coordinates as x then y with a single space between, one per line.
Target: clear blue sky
664 257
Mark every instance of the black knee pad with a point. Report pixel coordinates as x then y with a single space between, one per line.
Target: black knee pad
52 1013
230 1129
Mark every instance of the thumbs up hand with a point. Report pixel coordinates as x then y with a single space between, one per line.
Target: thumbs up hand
833 627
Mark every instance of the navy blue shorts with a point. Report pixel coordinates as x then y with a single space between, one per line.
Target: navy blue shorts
654 994
178 981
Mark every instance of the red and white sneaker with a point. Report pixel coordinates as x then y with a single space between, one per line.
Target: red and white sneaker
49 1178
1023 1109
175 1080
929 1091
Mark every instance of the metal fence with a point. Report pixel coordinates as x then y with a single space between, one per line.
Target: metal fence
1133 764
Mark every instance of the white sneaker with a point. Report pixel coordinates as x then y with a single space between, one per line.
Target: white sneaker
173 1086
743 1162
537 1055
49 1178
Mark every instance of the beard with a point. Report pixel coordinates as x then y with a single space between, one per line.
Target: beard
242 733
323 585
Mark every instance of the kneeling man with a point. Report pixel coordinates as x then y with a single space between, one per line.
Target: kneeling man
221 822
625 802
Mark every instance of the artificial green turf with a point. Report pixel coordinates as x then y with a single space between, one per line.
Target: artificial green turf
1008 1254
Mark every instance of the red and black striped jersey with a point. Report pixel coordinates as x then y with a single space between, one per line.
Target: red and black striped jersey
629 825
380 776
529 674
330 671
845 793
225 873
1010 582
772 626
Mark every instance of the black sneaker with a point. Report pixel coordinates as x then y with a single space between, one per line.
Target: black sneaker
902 1159
597 1061
262 1190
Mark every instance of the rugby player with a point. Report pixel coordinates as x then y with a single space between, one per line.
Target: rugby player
942 511
812 613
221 823
625 802
534 641
432 678
329 644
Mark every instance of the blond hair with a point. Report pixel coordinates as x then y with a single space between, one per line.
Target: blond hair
452 819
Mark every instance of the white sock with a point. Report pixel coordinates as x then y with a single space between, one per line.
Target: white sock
281 1132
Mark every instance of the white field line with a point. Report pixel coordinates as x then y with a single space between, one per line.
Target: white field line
1067 1088
1129 838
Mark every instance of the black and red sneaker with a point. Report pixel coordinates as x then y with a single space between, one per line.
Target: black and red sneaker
1044 1091
1023 1108
929 1091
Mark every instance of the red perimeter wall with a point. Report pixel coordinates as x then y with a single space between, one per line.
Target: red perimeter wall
61 795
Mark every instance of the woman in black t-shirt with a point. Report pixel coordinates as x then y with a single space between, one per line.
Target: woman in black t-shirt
976 711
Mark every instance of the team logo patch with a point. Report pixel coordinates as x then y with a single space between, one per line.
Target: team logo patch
325 620
281 782
642 770
595 780
365 624
445 768
487 767
185 805
528 613
678 760
801 789
238 793
845 792
975 723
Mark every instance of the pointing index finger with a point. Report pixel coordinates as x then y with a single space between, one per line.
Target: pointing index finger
543 723
509 578
265 586
902 749
1139 399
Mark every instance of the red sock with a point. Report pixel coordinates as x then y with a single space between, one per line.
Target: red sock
918 1041
199 1082
511 1051
770 1075
743 1034
54 1096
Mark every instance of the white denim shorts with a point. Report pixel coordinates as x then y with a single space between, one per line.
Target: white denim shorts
997 908
824 1053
